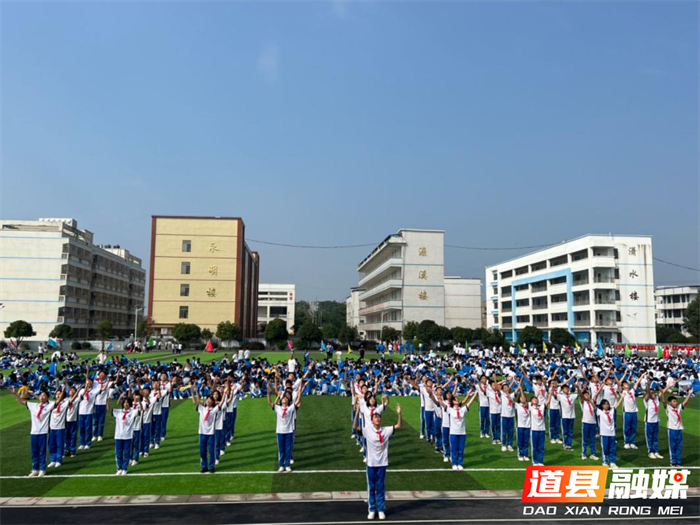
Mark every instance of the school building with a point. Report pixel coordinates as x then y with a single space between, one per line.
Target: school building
671 305
276 301
52 272
594 286
202 272
403 279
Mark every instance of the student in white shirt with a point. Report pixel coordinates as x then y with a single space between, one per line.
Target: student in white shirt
157 402
484 420
207 423
629 406
493 391
651 421
606 421
377 439
219 439
124 421
39 414
137 404
507 418
568 414
100 410
589 425
285 412
166 390
232 413
674 423
147 419
537 431
72 422
457 414
88 395
522 411
57 428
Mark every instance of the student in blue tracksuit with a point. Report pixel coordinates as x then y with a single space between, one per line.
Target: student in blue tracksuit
589 425
86 409
507 418
493 390
567 408
100 411
537 429
608 439
137 404
674 424
207 411
484 419
285 412
522 411
39 415
57 428
72 422
457 414
447 398
377 439
124 420
147 420
554 413
651 422
630 409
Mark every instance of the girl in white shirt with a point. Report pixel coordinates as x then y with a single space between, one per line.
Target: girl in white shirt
40 413
207 421
589 424
124 420
606 420
72 422
651 421
537 431
57 425
88 395
458 430
285 426
522 411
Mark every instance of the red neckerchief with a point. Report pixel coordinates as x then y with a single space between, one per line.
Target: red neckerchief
609 418
539 412
675 411
379 435
58 408
371 413
457 412
498 399
124 414
568 399
510 401
284 411
41 409
656 407
590 407
206 416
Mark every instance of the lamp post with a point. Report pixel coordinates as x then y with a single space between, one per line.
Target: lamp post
136 321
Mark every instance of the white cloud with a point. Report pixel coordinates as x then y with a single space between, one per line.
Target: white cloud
268 63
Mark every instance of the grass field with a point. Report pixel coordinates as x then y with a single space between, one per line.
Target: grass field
323 443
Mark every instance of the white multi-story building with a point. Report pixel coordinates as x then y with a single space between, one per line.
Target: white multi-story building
352 311
403 280
595 286
671 305
276 301
52 273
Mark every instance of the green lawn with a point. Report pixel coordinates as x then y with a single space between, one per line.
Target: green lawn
323 443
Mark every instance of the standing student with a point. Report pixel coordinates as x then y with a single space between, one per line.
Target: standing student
86 409
166 391
377 439
494 394
522 411
589 426
554 414
630 409
428 407
100 409
157 403
146 421
651 422
439 415
72 422
124 420
458 427
285 426
568 414
484 419
40 414
537 428
57 428
674 424
207 420
447 401
219 437
368 409
507 418
606 420
232 413
136 435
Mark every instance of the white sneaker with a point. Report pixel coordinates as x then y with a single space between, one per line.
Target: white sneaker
50 465
56 465
454 467
633 446
216 462
510 449
613 465
382 516
422 436
658 456
593 457
503 448
364 460
370 516
553 441
94 439
119 473
99 438
33 474
140 454
123 472
41 473
145 454
228 443
281 469
288 469
520 458
460 467
352 436
445 460
652 455
584 458
291 462
626 445
162 439
151 445
81 447
222 452
157 446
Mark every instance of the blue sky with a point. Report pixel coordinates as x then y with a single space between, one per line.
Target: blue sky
506 124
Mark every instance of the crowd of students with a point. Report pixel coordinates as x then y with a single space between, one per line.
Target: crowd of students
520 399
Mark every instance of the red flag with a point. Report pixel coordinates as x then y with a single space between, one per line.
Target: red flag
667 353
289 344
13 343
209 347
687 351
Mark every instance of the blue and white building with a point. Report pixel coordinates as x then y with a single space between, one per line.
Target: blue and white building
51 273
595 286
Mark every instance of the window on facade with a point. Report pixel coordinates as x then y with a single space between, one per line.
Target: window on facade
184 290
185 268
186 246
184 312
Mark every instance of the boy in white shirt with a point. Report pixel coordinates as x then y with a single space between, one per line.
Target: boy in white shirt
674 424
40 414
651 421
124 421
568 414
629 405
207 422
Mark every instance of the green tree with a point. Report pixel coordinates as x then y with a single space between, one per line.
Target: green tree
482 335
308 333
19 330
428 330
143 328
530 335
302 313
462 335
104 330
692 318
228 331
493 338
61 332
187 332
410 331
207 334
276 333
330 331
347 334
666 334
561 336
389 333
445 334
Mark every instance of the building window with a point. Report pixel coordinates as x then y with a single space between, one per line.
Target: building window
185 268
186 246
184 312
184 290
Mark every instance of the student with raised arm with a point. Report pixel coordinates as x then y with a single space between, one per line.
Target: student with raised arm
589 425
568 413
124 420
57 427
377 439
629 396
606 420
522 412
651 421
458 428
40 414
166 391
537 427
674 423
285 427
72 422
88 395
100 408
207 420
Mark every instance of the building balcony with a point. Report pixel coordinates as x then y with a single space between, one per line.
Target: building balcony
391 283
377 327
381 307
381 269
